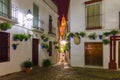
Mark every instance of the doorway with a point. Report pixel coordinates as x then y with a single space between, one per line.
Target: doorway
35 49
94 53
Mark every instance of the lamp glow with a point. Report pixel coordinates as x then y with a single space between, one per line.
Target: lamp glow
63 42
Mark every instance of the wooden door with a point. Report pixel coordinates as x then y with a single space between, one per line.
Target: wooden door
119 55
35 51
94 54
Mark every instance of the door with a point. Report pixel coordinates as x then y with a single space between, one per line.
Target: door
94 54
35 51
119 55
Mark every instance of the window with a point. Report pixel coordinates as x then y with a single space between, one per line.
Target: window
52 30
5 8
50 24
94 53
14 12
4 46
93 14
35 16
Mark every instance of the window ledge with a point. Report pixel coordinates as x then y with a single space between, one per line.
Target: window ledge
37 30
93 28
8 20
52 34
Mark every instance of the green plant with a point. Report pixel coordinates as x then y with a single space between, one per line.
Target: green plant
114 32
44 37
67 47
5 26
82 34
27 37
92 35
55 42
44 46
21 37
28 64
106 41
106 33
70 35
46 63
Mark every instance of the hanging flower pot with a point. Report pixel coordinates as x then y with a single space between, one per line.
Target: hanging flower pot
70 35
106 33
100 36
14 46
114 32
92 36
5 25
44 38
69 38
82 34
26 39
42 47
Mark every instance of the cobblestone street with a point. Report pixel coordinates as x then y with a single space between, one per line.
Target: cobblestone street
61 73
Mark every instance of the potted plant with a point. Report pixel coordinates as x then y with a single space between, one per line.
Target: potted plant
92 35
70 35
46 63
55 42
16 37
28 64
44 46
106 33
44 37
82 34
5 25
100 36
27 37
106 41
114 32
15 46
22 37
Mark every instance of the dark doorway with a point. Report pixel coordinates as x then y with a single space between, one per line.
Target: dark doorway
94 54
35 51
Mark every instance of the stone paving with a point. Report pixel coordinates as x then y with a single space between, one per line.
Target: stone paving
61 73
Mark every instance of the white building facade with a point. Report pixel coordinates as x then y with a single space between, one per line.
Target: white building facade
20 25
93 53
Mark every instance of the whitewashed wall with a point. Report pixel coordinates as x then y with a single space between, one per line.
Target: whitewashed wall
110 20
24 49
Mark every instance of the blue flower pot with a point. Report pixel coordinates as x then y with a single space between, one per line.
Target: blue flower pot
42 47
100 36
26 39
14 47
93 38
69 38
